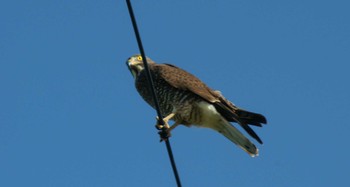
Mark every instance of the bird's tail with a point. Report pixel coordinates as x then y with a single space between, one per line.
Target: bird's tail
250 118
242 117
230 132
246 118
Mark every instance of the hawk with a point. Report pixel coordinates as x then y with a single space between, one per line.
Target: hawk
188 101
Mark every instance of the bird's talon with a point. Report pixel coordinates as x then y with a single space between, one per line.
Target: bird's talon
159 127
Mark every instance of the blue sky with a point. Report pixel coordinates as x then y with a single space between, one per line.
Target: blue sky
70 115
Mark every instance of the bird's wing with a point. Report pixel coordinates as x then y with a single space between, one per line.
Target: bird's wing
183 80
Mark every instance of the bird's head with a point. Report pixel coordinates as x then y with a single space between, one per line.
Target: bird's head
135 64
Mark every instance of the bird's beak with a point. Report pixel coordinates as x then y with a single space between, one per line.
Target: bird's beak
129 63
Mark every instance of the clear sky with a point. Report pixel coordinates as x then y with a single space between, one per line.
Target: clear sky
70 115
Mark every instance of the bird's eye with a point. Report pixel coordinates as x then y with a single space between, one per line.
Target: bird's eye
139 57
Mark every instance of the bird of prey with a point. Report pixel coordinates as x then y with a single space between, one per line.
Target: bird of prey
186 100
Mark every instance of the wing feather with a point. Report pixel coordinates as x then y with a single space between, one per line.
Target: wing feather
181 79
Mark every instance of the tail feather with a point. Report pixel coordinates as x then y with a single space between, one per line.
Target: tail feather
250 118
251 133
234 114
230 132
242 117
246 118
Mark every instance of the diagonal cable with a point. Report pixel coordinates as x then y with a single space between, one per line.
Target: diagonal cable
156 103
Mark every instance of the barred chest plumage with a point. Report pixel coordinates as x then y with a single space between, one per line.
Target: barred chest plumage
170 98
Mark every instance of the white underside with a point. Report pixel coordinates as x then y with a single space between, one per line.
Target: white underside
209 115
210 118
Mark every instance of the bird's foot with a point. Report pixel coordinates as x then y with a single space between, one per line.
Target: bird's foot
165 125
159 126
164 131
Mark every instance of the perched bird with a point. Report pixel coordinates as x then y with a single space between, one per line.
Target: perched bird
186 100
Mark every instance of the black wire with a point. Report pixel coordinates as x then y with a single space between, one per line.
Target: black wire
163 134
149 77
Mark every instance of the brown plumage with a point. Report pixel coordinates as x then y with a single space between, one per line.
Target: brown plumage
193 103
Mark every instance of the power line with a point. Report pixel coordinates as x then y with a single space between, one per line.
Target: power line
163 133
